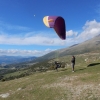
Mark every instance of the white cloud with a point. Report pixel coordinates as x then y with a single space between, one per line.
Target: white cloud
31 40
26 38
90 29
12 27
16 52
71 33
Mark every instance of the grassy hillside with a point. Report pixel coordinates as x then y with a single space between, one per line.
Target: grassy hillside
92 45
83 84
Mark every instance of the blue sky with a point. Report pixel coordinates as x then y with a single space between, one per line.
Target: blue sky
22 31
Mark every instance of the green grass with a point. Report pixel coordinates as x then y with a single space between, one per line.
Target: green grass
83 84
15 73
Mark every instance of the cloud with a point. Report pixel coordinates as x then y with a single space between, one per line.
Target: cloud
5 26
16 52
71 33
20 35
29 40
89 30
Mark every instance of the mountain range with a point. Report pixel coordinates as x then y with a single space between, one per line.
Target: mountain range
14 59
89 46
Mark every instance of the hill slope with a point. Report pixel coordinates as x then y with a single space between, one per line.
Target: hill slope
92 45
83 84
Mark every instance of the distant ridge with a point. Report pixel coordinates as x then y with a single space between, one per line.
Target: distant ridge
73 45
91 45
14 59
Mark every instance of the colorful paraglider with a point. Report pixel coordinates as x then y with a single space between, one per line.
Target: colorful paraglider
58 23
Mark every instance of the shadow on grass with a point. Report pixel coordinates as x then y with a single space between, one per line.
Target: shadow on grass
80 69
63 69
93 64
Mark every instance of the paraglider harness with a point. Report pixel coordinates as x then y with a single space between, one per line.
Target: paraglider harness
58 65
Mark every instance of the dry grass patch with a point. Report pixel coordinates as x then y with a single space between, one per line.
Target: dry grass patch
74 89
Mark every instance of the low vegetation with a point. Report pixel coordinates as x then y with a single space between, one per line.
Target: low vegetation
49 84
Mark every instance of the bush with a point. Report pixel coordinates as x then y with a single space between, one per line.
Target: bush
3 80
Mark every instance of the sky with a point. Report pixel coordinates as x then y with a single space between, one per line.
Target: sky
23 33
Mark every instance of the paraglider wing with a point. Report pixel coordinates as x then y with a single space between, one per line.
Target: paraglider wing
49 21
45 20
57 23
59 27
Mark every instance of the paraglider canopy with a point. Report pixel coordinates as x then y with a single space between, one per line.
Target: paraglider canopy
58 23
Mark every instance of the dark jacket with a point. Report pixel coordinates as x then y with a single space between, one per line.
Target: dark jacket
73 60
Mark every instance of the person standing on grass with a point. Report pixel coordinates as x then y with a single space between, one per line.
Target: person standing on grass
73 63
